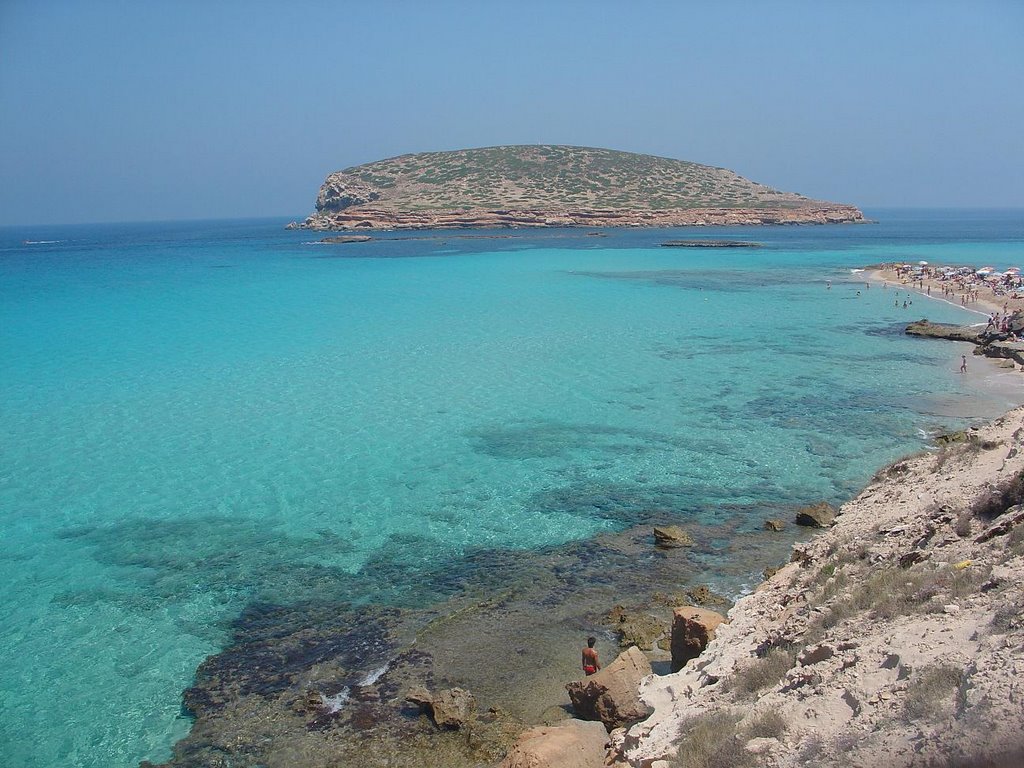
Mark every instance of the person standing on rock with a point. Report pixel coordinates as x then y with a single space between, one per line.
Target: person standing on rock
590 661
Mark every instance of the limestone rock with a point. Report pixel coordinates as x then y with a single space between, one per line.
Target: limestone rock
573 744
341 191
774 525
671 536
452 708
612 695
692 629
820 515
944 331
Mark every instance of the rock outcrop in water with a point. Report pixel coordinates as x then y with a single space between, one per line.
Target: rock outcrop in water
989 342
553 186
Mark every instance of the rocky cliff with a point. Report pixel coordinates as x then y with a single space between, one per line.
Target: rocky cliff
894 638
553 186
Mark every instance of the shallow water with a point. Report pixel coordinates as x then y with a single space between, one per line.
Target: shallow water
202 417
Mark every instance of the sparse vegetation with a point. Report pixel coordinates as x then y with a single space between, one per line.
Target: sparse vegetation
962 526
931 692
712 741
892 592
1001 498
1008 617
1015 541
768 725
547 175
764 671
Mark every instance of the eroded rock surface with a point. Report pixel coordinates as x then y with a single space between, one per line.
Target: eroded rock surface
692 629
894 637
573 744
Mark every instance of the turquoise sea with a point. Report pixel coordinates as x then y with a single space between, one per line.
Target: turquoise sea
200 416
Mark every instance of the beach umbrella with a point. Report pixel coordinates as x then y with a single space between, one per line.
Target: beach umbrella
984 271
1013 270
923 263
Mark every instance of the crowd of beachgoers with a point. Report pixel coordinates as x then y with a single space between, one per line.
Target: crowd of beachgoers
997 293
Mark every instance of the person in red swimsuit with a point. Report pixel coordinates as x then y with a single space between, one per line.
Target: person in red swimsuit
590 660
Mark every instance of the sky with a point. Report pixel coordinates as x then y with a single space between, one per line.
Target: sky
143 110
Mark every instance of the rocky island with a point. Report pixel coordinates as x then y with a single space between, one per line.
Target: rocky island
553 186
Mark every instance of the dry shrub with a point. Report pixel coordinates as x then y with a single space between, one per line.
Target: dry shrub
767 725
712 741
931 691
1009 616
962 526
1008 494
892 592
764 671
1015 540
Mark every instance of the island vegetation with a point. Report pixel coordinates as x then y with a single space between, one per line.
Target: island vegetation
553 186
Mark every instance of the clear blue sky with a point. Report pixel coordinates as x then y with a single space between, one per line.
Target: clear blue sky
136 110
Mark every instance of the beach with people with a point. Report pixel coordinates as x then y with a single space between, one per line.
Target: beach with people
979 288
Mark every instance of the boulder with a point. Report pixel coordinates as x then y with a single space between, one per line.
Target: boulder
774 525
692 629
1010 350
820 515
613 694
573 744
453 708
671 536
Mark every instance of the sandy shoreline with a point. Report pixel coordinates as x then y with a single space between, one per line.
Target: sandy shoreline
974 295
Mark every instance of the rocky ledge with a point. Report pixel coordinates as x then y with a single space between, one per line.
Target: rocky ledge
988 342
893 638
370 218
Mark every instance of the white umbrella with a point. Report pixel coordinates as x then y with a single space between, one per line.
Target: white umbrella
923 263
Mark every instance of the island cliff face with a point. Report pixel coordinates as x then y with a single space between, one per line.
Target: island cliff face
553 186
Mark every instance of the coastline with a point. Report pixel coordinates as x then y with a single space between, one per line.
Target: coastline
317 709
892 638
368 218
986 303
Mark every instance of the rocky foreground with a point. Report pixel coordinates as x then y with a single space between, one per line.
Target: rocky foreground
893 639
553 186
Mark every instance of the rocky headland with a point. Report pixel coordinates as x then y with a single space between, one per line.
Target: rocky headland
553 186
893 638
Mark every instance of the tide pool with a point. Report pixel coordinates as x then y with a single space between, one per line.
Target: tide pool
197 417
